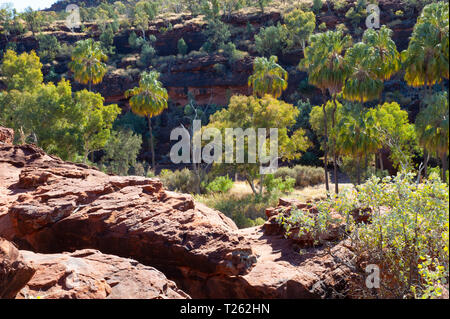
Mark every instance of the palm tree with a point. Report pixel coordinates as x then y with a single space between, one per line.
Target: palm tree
363 83
268 77
87 62
327 70
149 100
384 57
426 60
355 134
432 125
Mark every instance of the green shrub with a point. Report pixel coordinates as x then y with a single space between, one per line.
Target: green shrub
303 176
284 185
317 5
245 211
220 184
322 27
182 47
180 180
271 40
407 235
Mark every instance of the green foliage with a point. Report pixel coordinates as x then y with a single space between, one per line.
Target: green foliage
220 184
283 185
96 122
301 223
407 233
317 5
244 210
22 72
432 125
326 67
48 47
361 84
357 13
149 99
107 39
179 180
262 4
144 12
121 151
426 61
87 62
268 77
33 19
182 47
271 40
299 27
147 53
217 33
303 176
60 122
392 130
250 112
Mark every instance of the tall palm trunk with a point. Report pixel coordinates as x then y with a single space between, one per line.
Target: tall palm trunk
358 170
333 123
151 141
380 157
325 121
426 156
444 166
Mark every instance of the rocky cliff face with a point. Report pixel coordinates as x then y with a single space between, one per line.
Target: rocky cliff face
69 216
197 75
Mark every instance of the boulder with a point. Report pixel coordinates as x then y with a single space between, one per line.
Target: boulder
6 135
89 274
14 271
49 206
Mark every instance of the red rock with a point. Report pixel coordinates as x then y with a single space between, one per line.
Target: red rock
14 272
90 274
49 206
6 135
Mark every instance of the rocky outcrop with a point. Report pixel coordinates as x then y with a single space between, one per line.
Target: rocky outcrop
49 206
6 136
14 272
89 274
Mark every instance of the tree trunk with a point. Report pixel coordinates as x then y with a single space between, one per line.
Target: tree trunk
261 184
444 166
426 156
358 171
376 160
381 161
252 185
366 166
326 147
151 141
333 120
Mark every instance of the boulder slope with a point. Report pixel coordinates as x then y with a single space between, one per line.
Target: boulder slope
50 206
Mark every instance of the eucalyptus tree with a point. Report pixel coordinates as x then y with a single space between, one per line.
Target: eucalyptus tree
327 69
149 99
